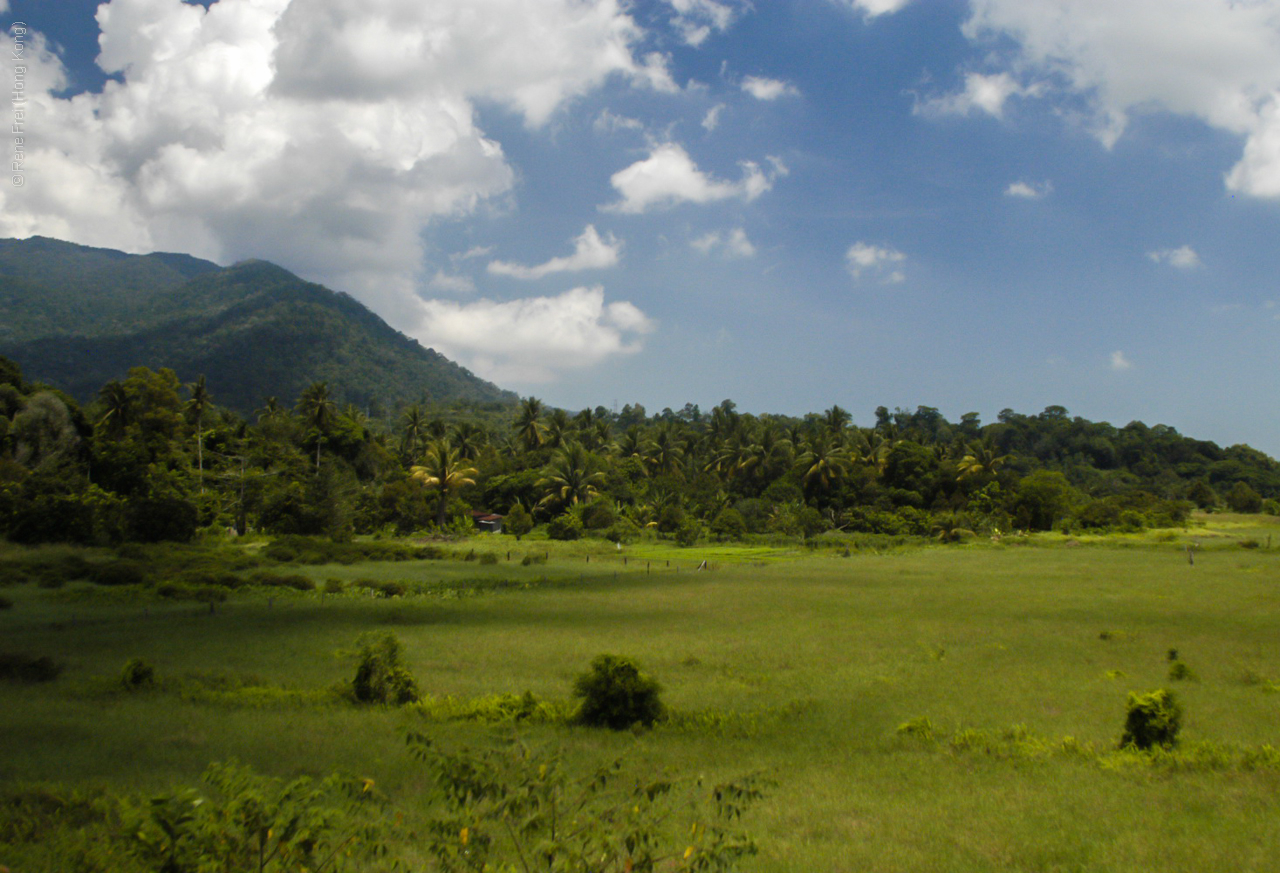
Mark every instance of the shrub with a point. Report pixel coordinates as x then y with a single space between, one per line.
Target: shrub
380 677
26 669
564 527
1179 671
121 573
5 603
488 558
333 586
615 694
1153 719
137 674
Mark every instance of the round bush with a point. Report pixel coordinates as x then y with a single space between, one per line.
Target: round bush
564 527
380 677
615 694
137 673
1153 720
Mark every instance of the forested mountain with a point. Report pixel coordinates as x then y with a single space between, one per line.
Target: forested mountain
78 317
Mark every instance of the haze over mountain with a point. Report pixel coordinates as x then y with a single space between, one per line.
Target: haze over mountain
77 317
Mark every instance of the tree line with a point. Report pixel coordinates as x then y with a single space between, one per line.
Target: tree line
153 459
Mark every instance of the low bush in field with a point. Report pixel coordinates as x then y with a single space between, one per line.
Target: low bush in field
380 676
615 694
121 572
137 674
313 550
1152 720
24 669
295 581
5 603
382 589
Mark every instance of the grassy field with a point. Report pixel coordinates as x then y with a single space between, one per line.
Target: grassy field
802 665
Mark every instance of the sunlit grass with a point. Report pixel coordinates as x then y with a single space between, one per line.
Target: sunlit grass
803 666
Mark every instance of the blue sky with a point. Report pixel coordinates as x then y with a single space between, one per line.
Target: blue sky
793 203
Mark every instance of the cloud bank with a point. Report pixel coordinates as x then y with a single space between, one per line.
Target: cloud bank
532 340
323 135
590 252
669 177
1214 60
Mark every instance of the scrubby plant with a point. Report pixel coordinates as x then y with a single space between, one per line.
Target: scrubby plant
1179 671
137 674
565 527
616 695
1153 719
5 603
25 669
380 676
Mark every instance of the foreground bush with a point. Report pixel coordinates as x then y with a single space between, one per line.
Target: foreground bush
26 669
615 694
380 677
1153 720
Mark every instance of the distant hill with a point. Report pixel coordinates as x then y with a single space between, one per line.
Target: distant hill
77 317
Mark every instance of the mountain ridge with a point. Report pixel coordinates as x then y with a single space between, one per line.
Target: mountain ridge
77 317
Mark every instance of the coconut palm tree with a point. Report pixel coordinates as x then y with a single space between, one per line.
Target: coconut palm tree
571 476
199 404
528 425
665 449
822 464
981 460
442 469
115 399
318 411
468 438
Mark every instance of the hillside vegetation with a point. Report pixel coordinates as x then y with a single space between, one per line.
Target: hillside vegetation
78 317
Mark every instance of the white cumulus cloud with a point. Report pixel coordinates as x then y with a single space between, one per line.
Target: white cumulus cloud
534 339
1119 362
696 19
1029 190
875 261
590 252
711 120
1215 60
1183 257
730 244
322 135
875 8
669 176
983 93
767 89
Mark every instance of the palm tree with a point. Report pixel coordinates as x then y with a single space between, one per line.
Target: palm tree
665 449
116 400
822 464
468 439
200 402
835 420
318 412
981 460
529 429
571 476
557 428
442 469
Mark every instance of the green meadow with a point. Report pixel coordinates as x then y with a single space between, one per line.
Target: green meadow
914 707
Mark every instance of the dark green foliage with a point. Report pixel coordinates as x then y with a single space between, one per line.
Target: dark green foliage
1153 719
24 669
517 522
121 572
615 694
137 674
598 516
564 527
382 589
380 676
1243 498
295 581
161 519
1179 672
5 603
78 317
315 550
519 808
